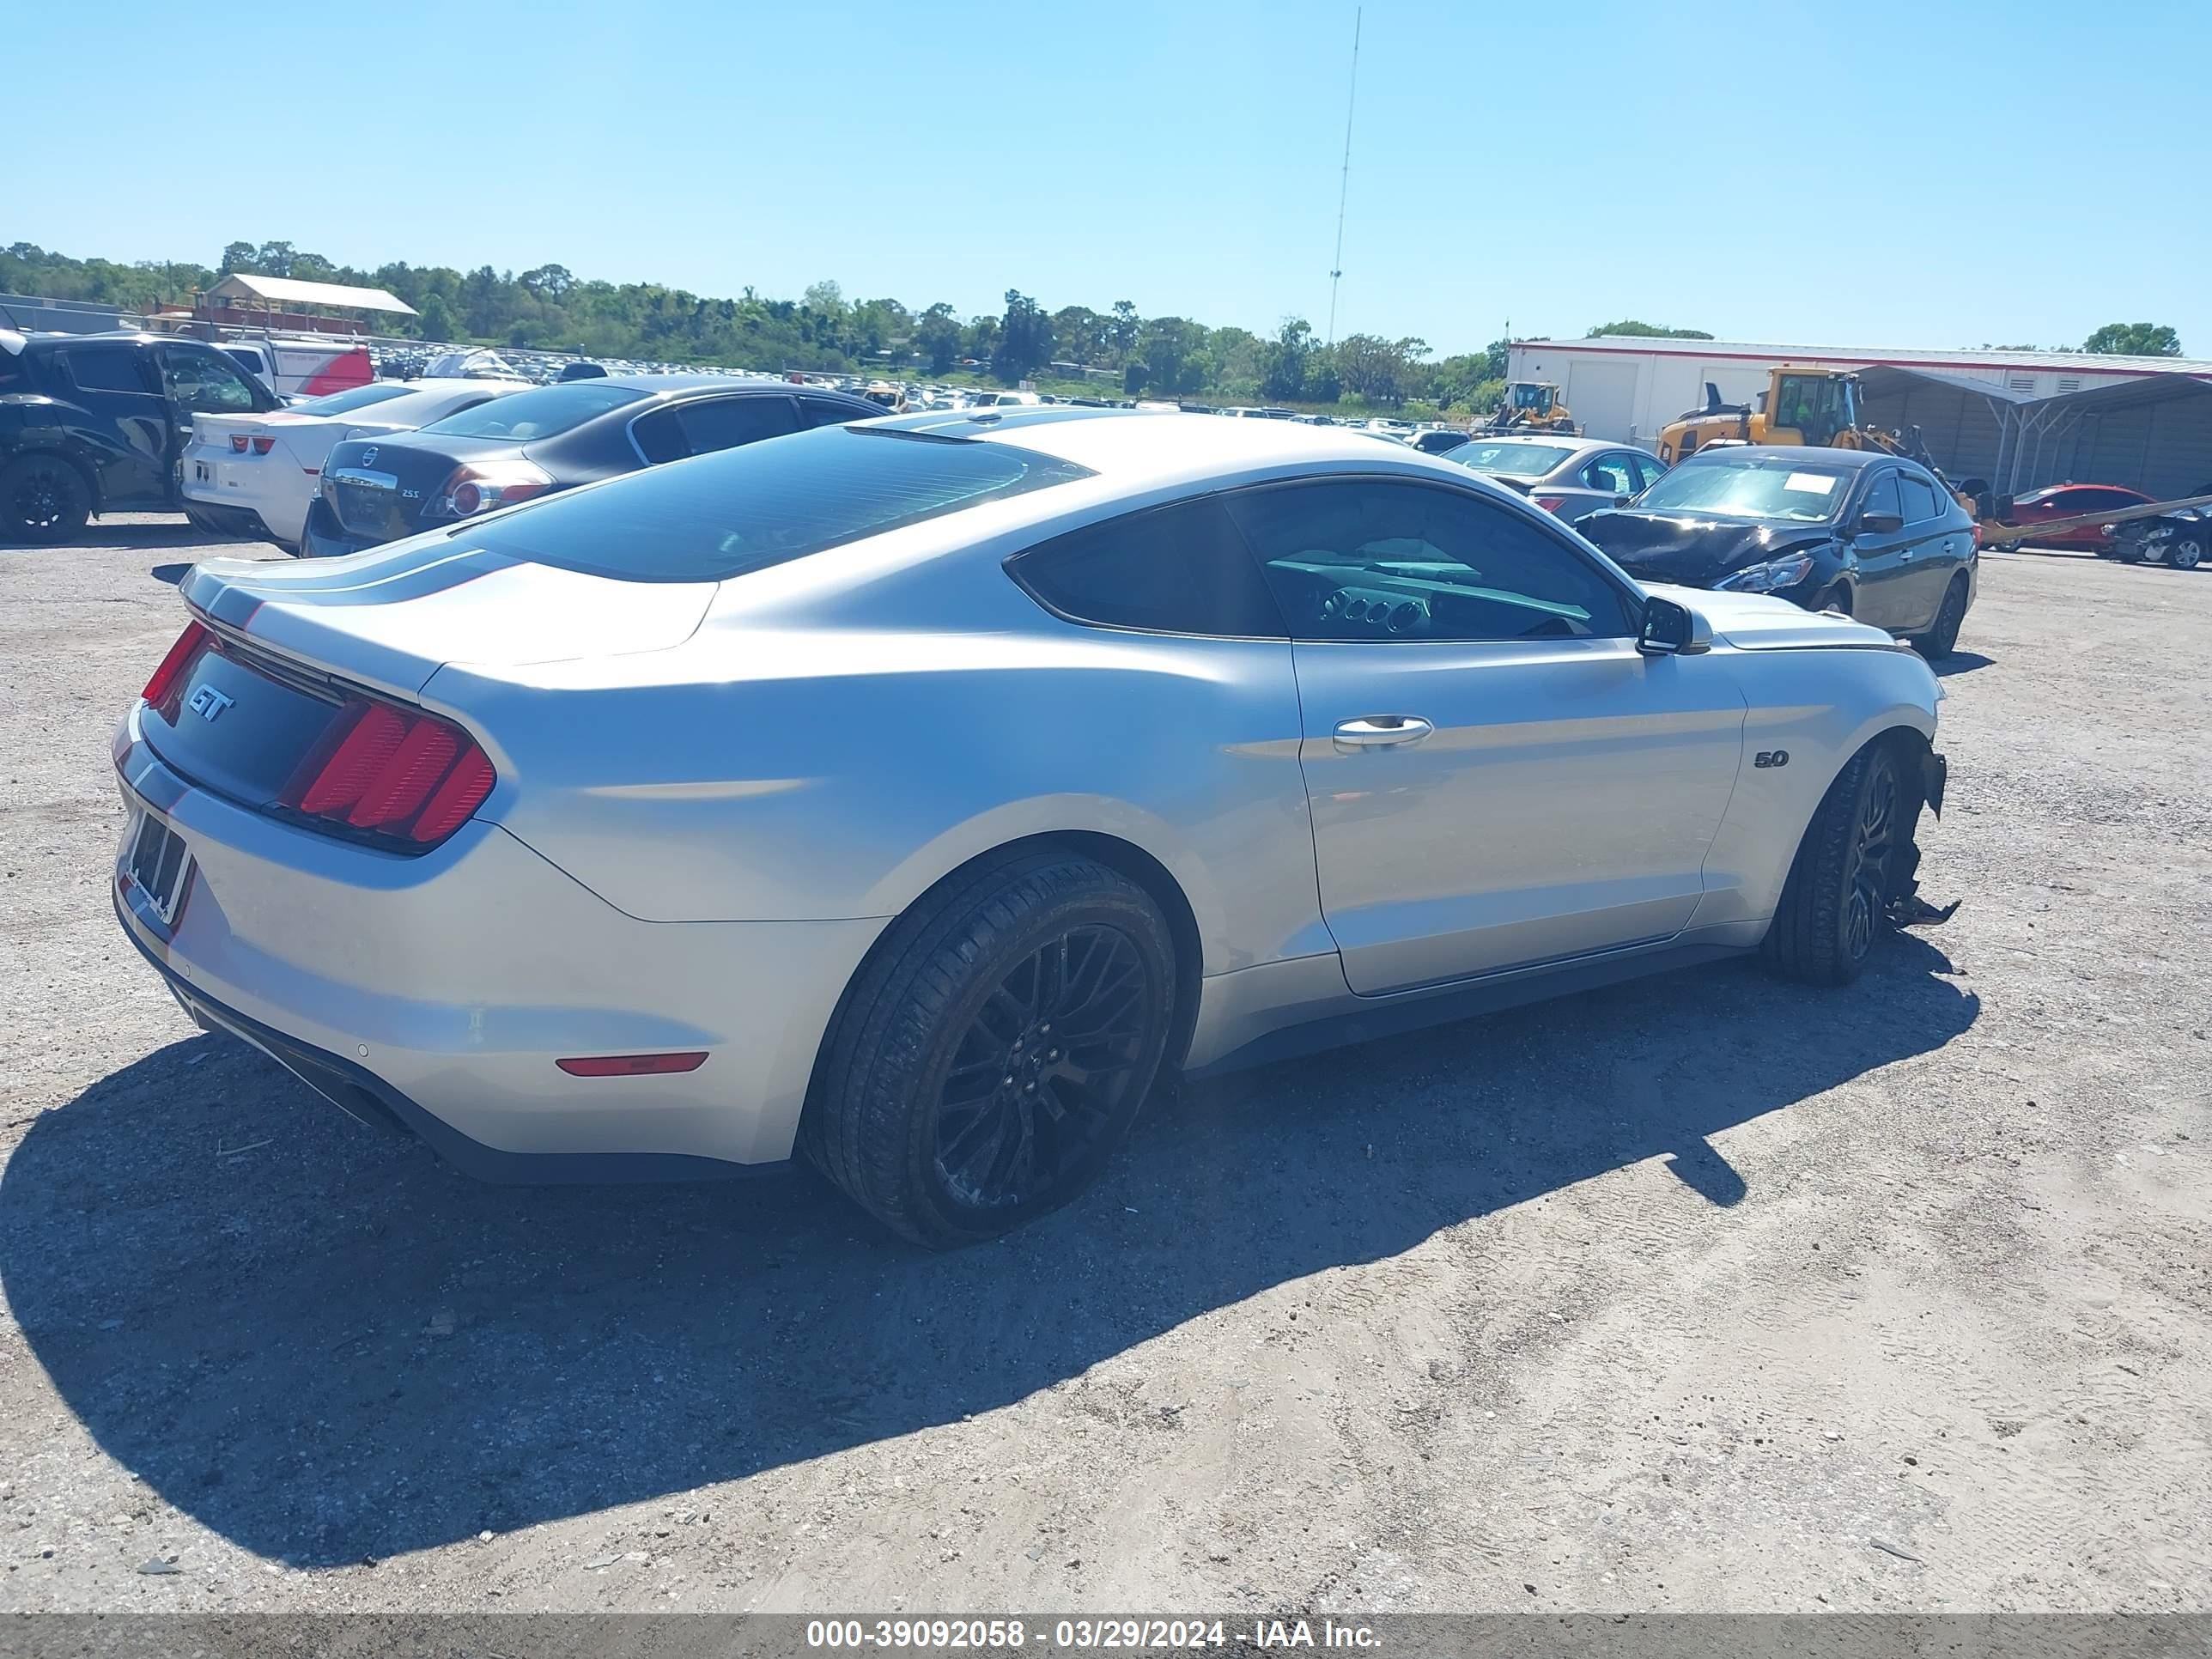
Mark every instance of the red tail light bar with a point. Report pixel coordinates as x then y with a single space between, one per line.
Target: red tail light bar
394 772
169 676
397 774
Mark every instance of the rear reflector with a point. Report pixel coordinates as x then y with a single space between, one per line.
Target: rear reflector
631 1065
392 771
170 675
1550 503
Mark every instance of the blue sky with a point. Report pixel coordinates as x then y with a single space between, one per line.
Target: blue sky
1938 174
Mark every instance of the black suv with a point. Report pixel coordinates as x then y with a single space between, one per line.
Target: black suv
94 423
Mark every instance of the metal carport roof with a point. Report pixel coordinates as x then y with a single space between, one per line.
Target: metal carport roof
2153 432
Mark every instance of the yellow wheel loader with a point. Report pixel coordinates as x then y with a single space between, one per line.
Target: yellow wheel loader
1799 406
1531 406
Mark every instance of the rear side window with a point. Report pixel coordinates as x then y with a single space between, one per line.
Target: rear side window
107 369
1179 569
543 413
744 509
1921 503
825 411
715 423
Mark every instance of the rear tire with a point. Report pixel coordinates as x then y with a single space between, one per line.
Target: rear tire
1941 640
995 1048
1835 904
43 500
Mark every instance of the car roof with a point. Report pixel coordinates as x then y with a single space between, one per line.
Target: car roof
1145 443
1549 440
673 383
1854 460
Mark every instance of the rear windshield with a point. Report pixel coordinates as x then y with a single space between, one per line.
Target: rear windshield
344 403
743 509
1514 460
537 414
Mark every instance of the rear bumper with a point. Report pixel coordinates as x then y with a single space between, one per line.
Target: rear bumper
436 992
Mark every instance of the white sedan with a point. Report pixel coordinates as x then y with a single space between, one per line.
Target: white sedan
254 476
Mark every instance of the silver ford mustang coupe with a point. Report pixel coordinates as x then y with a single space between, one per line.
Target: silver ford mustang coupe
912 794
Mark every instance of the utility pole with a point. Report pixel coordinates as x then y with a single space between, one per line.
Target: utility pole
1344 179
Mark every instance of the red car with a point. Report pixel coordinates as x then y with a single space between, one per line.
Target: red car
2069 501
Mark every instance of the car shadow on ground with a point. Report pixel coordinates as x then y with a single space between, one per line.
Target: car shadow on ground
1961 662
325 1347
151 537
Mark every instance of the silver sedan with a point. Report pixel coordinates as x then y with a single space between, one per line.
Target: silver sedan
1573 477
912 794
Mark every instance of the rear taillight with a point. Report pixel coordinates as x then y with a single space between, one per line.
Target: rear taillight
169 678
263 446
393 772
1551 503
474 489
237 443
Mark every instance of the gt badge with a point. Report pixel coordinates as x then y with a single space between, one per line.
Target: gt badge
208 703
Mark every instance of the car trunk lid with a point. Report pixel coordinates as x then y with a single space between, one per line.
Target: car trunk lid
290 644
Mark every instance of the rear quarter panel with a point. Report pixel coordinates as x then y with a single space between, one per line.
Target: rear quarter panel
775 771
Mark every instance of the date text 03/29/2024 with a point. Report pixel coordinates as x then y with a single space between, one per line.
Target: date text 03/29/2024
1088 1635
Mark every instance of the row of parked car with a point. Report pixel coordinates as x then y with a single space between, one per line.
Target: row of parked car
1868 534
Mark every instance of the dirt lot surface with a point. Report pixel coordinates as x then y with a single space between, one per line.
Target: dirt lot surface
1704 1293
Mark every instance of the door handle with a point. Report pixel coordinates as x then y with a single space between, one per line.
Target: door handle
1906 558
1382 731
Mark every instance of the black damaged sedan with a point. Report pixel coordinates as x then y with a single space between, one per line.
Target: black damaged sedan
1858 530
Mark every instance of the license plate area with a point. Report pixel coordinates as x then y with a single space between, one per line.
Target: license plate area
158 866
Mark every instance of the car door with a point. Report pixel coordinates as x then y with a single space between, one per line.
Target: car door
1883 544
200 380
1497 777
127 435
1931 553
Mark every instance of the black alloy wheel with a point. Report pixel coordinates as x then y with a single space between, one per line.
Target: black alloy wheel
43 499
1873 849
1037 1082
995 1046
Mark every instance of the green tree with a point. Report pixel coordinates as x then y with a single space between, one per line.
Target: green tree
436 320
273 260
1648 330
938 338
236 256
1122 333
549 282
1024 338
2134 340
1283 364
1385 372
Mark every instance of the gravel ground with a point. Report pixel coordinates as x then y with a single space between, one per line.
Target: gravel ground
1704 1293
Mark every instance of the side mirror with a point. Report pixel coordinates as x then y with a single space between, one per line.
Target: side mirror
1672 631
1880 523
